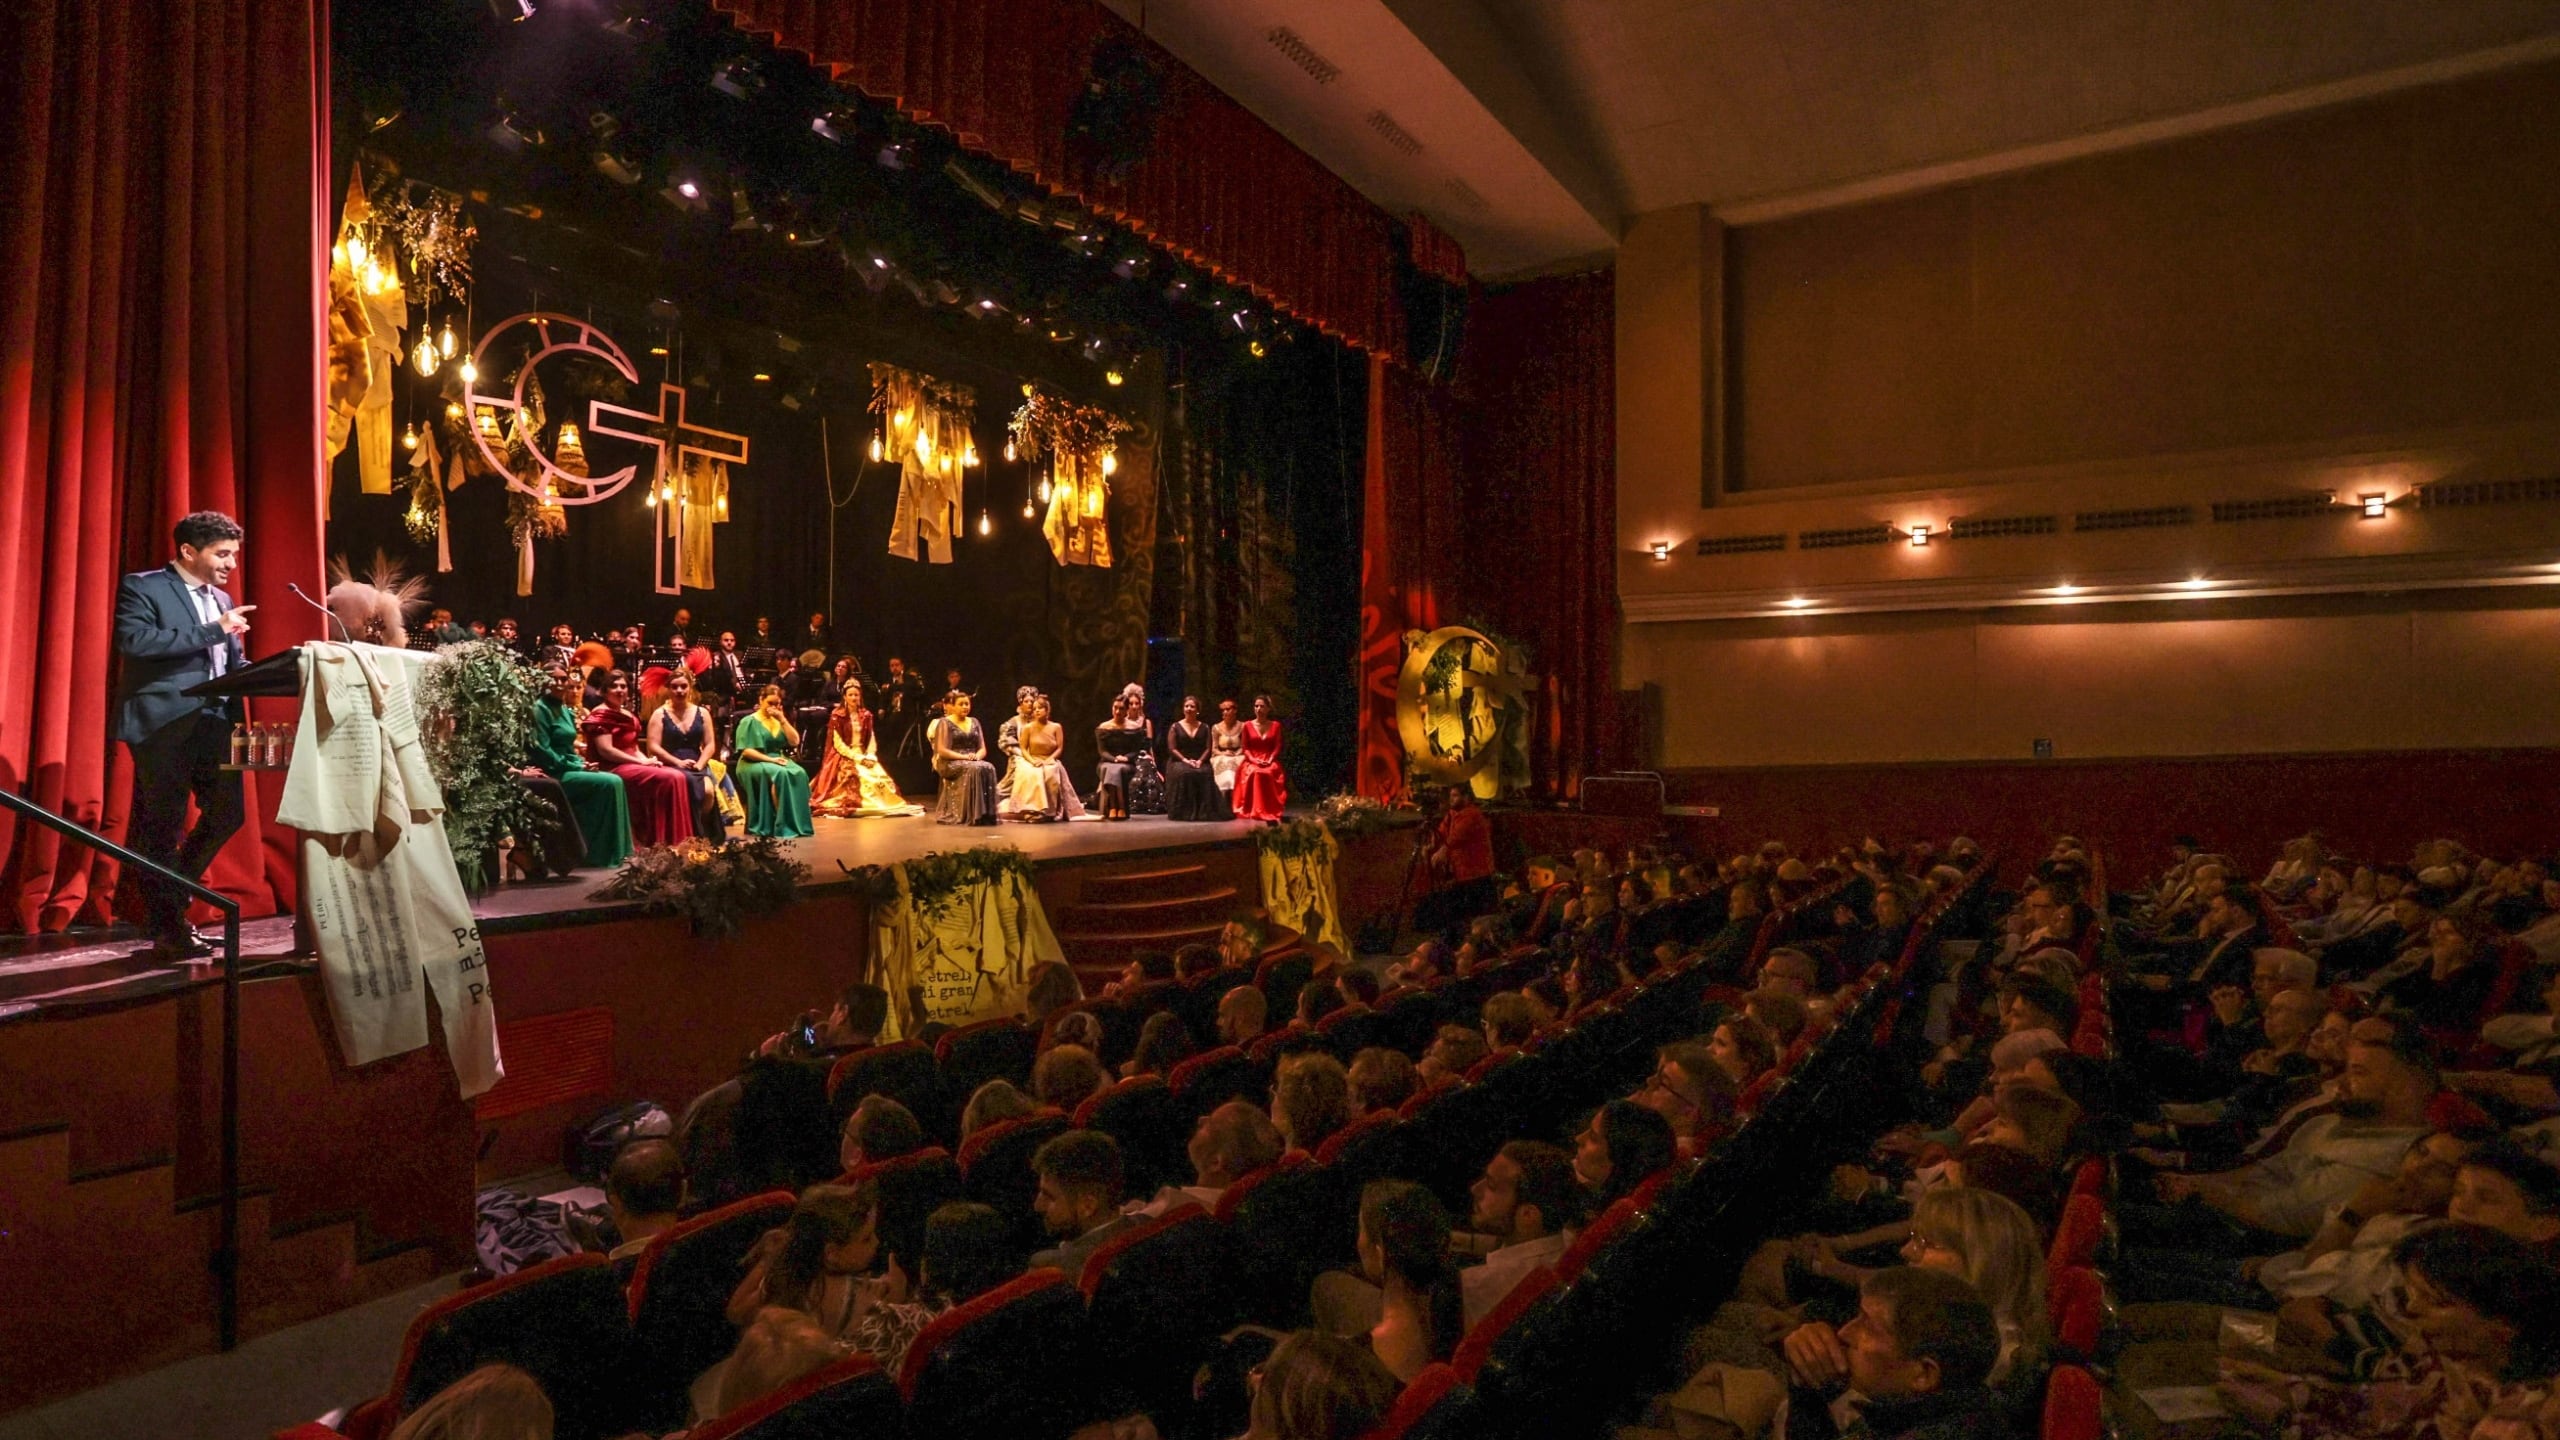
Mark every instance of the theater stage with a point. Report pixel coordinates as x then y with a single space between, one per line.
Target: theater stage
87 969
358 1182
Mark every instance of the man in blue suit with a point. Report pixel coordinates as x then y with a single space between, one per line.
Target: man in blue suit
176 627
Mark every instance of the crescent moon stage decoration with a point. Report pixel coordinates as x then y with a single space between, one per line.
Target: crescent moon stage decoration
661 430
1462 710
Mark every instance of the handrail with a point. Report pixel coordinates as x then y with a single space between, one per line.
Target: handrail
226 1253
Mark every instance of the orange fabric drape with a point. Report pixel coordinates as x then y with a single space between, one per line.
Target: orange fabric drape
160 324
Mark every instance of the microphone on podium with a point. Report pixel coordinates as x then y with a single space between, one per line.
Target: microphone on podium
296 588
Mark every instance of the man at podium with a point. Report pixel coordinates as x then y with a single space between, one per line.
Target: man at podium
176 627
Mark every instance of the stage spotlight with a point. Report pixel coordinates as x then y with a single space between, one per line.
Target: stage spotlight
685 194
1113 377
516 11
1177 291
512 133
740 79
946 293
630 23
617 165
896 155
1096 348
834 125
1131 265
985 306
744 209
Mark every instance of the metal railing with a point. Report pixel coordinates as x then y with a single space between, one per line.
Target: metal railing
226 1253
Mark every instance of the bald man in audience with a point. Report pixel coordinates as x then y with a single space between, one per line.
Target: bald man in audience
1242 1014
643 1193
1228 1144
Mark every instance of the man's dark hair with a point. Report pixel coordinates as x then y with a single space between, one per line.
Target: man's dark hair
2502 1278
866 1008
2064 891
1546 1181
1937 1316
968 1250
884 1128
2053 1000
1358 985
648 1178
1083 1160
2408 1044
1155 964
2535 1178
205 527
2242 894
1195 958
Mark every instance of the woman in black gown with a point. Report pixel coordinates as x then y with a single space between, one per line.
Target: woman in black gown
1192 793
1121 740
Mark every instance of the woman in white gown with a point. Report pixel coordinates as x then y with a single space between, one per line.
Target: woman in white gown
1037 788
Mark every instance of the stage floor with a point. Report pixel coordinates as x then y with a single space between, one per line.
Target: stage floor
91 967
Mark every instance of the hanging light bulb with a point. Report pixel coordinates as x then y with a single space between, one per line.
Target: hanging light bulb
409 438
446 342
469 372
453 409
721 507
969 456
946 462
1008 452
875 447
425 358
1044 490
1110 462
667 491
1092 501
355 250
1027 512
902 418
650 499
924 445
985 525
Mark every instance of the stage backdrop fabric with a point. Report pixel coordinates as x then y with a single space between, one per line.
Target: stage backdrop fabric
1218 186
160 324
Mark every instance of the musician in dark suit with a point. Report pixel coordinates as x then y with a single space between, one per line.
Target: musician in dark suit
727 677
176 627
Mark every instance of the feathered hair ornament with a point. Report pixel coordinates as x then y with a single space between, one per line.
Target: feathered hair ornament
376 609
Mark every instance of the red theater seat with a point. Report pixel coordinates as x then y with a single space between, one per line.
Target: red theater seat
2075 1239
972 1055
1156 1300
904 1071
912 1187
680 1299
1154 1135
1213 1077
2072 1406
2076 1304
995 1168
1477 1348
564 1322
852 1397
1011 1362
1435 1406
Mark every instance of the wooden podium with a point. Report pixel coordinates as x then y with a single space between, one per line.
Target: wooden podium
277 676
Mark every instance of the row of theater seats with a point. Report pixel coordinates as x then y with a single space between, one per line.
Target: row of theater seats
1047 1350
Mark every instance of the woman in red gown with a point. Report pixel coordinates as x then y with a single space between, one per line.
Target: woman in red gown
1262 790
661 799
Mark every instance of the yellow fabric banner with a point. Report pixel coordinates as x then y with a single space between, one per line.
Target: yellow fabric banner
1298 891
971 956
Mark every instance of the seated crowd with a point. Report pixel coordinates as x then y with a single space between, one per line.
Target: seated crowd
2314 1119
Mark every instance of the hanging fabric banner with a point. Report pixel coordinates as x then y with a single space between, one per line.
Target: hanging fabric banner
386 904
1081 447
963 949
926 430
1297 880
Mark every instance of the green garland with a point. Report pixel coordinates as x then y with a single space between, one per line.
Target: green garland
477 724
1350 815
936 879
717 888
1296 840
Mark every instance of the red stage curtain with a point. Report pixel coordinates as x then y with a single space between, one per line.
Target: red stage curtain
160 334
1539 488
1494 499
1221 188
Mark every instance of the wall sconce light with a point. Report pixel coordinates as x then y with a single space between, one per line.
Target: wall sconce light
1661 549
1795 602
1919 537
2374 505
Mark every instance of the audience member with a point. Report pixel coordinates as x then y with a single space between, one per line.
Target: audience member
997 1100
777 1347
1381 1079
1911 1364
1079 1197
1242 1012
643 1194
1228 1144
1066 1076
1623 1145
1318 1387
1454 1051
494 1402
1163 1043
879 1128
1528 1202
1688 1089
1310 1099
1509 1020
968 1251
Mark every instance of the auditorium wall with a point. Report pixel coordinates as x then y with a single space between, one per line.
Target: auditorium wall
2348 300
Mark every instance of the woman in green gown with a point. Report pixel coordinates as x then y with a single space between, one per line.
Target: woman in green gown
773 786
595 797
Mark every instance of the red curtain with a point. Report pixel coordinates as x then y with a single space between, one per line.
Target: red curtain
160 338
1494 499
1220 188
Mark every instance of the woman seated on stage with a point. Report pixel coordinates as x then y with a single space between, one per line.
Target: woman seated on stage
1191 791
681 734
774 787
960 758
660 810
1146 780
1121 740
1262 789
595 798
1226 749
853 782
1038 787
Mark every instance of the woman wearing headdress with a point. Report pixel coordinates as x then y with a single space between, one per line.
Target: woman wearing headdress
853 782
1037 788
1262 789
774 787
1191 791
1121 741
661 813
960 758
376 609
1146 781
